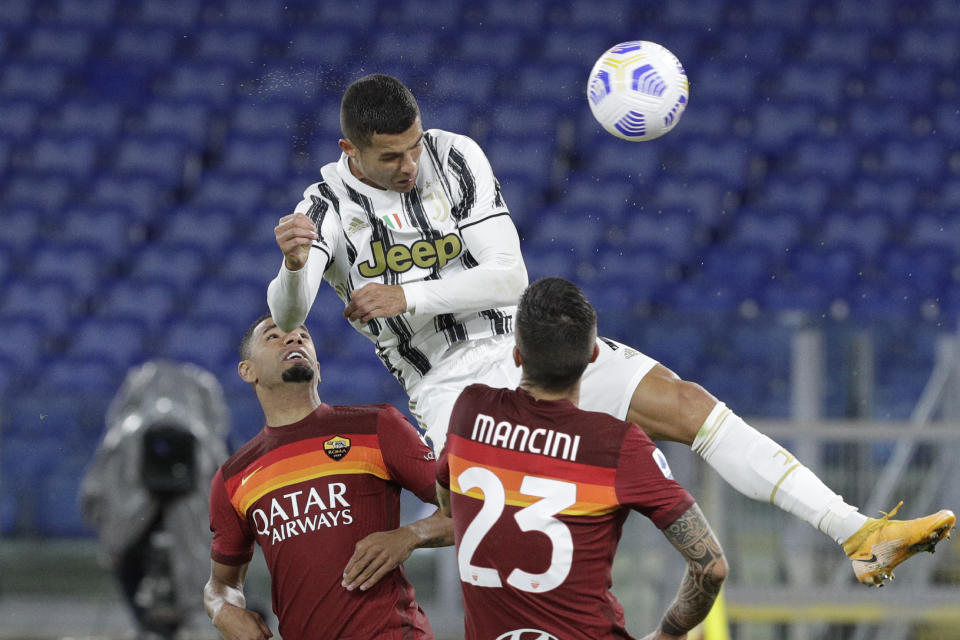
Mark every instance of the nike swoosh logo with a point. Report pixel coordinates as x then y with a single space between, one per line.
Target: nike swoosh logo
872 558
243 480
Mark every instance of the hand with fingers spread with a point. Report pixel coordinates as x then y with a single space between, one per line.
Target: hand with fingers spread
295 234
375 300
377 555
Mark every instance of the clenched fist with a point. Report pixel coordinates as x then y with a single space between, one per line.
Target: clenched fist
295 233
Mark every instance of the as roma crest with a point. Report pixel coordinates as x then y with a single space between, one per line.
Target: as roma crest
337 447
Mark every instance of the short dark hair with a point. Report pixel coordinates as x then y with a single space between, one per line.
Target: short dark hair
556 333
248 336
377 103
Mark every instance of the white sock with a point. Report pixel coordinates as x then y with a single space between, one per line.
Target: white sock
761 469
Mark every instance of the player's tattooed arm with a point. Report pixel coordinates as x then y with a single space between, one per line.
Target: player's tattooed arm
690 534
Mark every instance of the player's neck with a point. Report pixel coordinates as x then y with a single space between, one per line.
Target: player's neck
289 404
572 394
359 176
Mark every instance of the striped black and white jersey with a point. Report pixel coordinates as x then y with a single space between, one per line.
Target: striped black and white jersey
372 235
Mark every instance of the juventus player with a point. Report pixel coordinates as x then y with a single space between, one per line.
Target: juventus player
410 228
527 466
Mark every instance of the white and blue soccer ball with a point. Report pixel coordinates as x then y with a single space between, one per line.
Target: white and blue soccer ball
638 90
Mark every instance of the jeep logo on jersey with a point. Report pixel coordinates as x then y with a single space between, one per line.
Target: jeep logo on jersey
400 258
661 461
527 634
337 447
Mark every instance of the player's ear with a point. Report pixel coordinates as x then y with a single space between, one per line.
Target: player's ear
517 360
346 146
596 353
247 371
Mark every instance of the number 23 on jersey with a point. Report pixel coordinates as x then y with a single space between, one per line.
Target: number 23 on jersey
555 495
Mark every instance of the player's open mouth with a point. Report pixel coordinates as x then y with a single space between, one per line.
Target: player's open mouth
296 355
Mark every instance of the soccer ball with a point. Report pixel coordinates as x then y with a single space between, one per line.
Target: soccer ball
638 90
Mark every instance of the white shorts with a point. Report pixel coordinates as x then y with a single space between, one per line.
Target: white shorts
607 384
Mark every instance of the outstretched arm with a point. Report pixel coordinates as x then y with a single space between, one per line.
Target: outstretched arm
382 551
706 570
291 294
225 603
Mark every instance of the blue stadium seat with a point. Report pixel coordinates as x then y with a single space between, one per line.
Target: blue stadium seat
150 303
776 231
935 230
37 82
23 342
249 14
570 230
911 84
879 302
788 295
833 159
695 13
72 156
174 264
727 161
675 231
265 157
236 47
276 82
726 83
833 268
357 17
79 264
92 119
204 228
244 198
559 262
43 302
743 268
930 46
680 344
922 160
239 302
704 198
18 119
311 45
412 46
58 46
524 118
833 45
206 84
159 158
762 343
81 375
600 14
149 46
87 14
45 193
181 14
605 199
547 81
57 511
16 15
778 123
143 196
821 84
808 196
612 158
881 119
926 268
258 119
118 342
499 48
179 120
21 229
575 45
698 295
778 14
424 13
868 231
207 343
107 229
529 157
254 262
470 82
895 197
504 13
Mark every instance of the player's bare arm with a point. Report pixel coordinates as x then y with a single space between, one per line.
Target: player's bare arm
375 300
667 407
381 552
225 603
294 234
706 570
443 499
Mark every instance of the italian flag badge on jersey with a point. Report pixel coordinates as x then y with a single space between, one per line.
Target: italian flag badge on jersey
393 220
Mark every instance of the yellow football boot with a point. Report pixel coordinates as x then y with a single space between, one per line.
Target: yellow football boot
881 544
